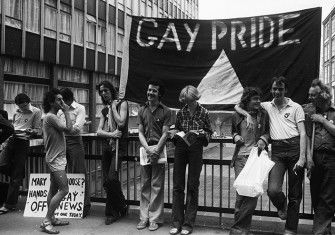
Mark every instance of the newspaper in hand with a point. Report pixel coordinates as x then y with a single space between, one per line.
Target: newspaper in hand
190 137
144 159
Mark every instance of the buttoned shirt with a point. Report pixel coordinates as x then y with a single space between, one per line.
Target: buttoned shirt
77 116
153 121
198 121
284 122
28 119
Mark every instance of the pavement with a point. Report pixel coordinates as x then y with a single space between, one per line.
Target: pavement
14 223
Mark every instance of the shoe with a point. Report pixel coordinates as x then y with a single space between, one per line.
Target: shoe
142 224
282 214
123 212
185 231
58 222
5 210
174 231
110 219
289 232
46 227
153 226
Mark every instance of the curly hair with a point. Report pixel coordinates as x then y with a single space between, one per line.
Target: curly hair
249 92
21 98
111 89
49 98
280 80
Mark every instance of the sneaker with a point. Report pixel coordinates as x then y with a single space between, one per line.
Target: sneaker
174 231
282 214
142 224
153 226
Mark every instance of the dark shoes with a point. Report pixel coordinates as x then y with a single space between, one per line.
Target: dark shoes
123 212
282 214
110 219
86 211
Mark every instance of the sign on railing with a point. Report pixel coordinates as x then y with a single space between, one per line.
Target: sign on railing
71 206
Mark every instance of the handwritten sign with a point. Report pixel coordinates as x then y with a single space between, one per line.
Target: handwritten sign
72 204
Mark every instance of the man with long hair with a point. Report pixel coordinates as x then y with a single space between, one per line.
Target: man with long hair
113 126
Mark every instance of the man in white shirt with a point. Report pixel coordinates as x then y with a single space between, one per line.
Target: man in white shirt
75 152
287 132
27 123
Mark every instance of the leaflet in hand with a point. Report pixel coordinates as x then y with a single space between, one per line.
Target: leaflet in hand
144 160
190 137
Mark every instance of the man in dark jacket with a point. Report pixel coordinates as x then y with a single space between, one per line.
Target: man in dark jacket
245 139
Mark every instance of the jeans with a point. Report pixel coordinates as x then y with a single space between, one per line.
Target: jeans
75 155
244 206
115 201
323 191
184 215
285 154
18 150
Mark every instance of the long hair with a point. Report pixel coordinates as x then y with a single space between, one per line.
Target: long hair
49 98
111 89
249 92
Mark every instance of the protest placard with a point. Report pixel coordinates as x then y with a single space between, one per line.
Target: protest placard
70 207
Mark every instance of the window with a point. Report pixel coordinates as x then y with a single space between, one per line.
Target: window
32 23
65 22
333 70
14 13
326 72
120 37
91 25
50 18
333 46
26 68
333 25
78 22
326 52
101 40
326 31
142 8
111 39
72 75
149 11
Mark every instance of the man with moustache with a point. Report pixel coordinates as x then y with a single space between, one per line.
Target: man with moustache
287 132
154 121
322 163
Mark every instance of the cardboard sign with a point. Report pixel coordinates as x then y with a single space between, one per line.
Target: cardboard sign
72 204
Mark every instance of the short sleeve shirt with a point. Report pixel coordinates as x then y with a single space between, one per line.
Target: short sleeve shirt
54 142
284 122
153 121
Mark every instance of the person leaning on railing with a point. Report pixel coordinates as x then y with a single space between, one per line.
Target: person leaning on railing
245 140
27 123
113 126
193 120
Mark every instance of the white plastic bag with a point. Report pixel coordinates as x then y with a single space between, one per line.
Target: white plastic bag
256 170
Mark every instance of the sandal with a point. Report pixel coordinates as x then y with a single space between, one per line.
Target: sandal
46 226
186 232
57 222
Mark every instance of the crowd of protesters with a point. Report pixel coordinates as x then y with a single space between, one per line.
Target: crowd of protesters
300 137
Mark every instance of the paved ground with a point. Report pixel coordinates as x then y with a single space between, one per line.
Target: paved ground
15 223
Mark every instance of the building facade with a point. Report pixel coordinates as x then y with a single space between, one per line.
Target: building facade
328 47
69 43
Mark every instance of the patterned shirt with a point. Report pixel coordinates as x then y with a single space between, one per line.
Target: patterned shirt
198 121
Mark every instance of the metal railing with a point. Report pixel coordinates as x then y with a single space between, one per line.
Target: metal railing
216 192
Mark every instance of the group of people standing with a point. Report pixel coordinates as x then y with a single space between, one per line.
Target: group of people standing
300 136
